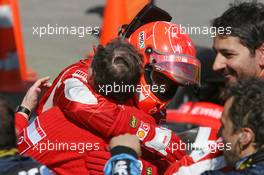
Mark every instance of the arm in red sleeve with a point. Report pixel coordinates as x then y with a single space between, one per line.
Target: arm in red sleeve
158 140
109 119
21 122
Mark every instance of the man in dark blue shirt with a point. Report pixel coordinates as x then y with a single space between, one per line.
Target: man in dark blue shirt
242 129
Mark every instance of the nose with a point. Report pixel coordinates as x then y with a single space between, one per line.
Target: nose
219 63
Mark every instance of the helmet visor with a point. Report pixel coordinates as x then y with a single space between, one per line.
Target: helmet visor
181 68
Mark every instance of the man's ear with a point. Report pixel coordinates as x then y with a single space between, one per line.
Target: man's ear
247 136
261 55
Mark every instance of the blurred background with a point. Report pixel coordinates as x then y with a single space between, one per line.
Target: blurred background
49 54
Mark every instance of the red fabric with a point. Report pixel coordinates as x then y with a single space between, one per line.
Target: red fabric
20 122
96 160
187 161
198 113
206 158
59 129
148 168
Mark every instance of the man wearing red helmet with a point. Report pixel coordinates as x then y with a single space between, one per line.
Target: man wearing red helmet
163 66
169 60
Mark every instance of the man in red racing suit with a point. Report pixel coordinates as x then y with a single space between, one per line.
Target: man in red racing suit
102 117
106 118
79 102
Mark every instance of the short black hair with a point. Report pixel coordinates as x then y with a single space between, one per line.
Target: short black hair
7 125
117 63
247 108
246 20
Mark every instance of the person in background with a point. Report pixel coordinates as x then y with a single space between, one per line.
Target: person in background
240 48
11 163
242 128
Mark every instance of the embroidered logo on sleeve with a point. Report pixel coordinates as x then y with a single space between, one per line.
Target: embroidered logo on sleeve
30 136
80 74
143 131
133 122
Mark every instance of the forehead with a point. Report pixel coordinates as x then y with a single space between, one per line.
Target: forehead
228 43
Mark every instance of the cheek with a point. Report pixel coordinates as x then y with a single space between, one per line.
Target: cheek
224 134
243 67
229 144
235 63
227 134
234 145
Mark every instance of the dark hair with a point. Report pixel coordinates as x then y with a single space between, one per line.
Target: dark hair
246 20
7 125
247 108
117 63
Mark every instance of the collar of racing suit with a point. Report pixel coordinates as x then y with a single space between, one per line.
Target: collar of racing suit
251 160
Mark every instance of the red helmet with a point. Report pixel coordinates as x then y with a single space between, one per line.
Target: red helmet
169 61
